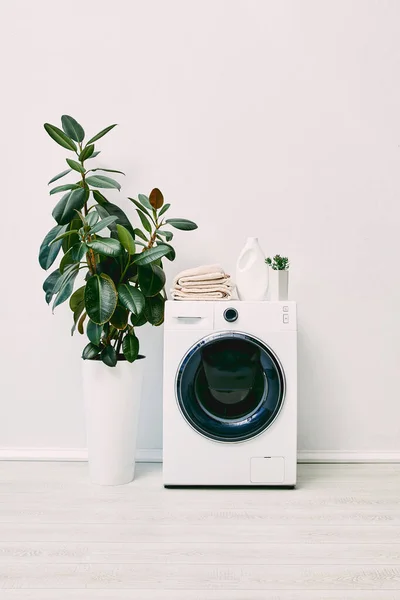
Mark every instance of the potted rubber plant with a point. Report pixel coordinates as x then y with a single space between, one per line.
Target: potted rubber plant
278 277
111 273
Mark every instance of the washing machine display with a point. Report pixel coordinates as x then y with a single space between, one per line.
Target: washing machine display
230 387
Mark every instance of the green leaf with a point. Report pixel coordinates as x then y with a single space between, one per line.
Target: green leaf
138 320
74 255
139 206
94 332
154 310
94 154
109 356
59 136
59 176
106 246
167 234
48 252
77 298
119 319
145 201
72 128
90 351
103 224
92 218
107 170
87 152
100 298
156 199
64 235
130 347
64 188
64 210
106 209
151 279
164 209
145 222
171 254
81 322
73 239
149 256
101 133
49 283
140 234
126 239
100 181
183 224
66 286
75 165
131 298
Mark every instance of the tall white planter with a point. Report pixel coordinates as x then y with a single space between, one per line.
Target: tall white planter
278 285
112 400
251 272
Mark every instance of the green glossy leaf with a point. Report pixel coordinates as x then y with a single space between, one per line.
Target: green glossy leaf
154 310
72 128
77 298
164 209
151 279
100 181
138 320
126 239
87 152
94 154
183 224
75 165
156 199
94 332
145 222
145 201
170 255
74 255
140 234
59 136
101 133
62 174
106 246
119 319
140 207
106 209
92 218
107 170
130 347
66 287
48 251
73 239
64 188
49 283
90 351
64 210
149 256
64 235
103 224
131 298
100 298
167 234
109 356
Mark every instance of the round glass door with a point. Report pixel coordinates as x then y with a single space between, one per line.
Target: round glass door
230 387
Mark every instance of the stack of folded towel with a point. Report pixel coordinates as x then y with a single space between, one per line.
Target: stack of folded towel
209 282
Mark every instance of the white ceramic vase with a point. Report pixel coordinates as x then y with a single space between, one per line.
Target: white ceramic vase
251 272
112 400
278 285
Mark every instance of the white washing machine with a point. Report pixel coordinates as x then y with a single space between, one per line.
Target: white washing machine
230 393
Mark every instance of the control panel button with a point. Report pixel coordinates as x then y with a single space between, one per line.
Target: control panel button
285 309
230 315
286 318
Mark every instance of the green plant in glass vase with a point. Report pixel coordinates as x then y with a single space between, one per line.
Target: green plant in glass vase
119 265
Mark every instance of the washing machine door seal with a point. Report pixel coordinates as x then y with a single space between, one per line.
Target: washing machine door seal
230 386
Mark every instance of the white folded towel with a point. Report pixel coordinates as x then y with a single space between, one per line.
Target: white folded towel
207 282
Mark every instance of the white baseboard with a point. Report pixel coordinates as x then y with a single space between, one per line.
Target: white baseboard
155 455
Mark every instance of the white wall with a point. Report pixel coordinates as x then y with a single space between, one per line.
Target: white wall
279 119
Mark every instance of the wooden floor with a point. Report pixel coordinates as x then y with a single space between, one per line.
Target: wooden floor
336 537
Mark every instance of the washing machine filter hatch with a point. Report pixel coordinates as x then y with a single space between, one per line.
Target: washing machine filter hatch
230 387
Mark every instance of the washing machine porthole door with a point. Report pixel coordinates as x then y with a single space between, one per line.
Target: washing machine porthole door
230 386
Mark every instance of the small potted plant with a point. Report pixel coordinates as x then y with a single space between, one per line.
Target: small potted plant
278 277
121 287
